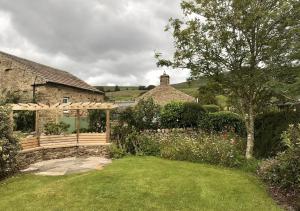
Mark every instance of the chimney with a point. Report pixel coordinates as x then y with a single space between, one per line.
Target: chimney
164 79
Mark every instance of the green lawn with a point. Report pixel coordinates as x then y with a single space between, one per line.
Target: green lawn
139 183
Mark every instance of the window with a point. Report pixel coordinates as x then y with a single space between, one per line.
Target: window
66 99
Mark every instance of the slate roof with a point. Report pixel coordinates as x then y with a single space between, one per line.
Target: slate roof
52 75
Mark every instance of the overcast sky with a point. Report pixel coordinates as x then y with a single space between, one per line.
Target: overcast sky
104 42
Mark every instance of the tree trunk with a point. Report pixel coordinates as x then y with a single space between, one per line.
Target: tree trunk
250 133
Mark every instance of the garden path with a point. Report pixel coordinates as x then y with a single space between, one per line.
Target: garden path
59 167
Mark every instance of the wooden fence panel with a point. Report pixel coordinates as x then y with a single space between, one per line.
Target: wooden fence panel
59 140
64 140
92 138
29 143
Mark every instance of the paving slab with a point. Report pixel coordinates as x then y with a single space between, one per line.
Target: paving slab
59 167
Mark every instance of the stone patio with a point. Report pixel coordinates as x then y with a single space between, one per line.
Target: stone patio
66 166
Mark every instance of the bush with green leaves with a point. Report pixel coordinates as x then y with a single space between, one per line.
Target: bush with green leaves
144 115
24 121
97 121
179 114
115 151
268 130
211 108
9 144
171 115
130 141
224 121
193 113
205 148
56 129
283 171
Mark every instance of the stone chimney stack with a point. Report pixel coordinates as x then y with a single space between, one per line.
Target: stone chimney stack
164 79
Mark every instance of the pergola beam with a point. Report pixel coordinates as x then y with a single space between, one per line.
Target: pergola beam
63 106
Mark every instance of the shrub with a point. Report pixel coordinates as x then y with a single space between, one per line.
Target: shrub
193 113
116 152
119 138
206 148
211 108
24 121
56 129
146 145
178 114
146 114
224 121
268 130
171 115
97 120
132 142
9 144
283 171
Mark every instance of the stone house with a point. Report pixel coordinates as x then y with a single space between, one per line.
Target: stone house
39 83
165 93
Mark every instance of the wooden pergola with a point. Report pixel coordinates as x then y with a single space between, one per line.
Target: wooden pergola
37 107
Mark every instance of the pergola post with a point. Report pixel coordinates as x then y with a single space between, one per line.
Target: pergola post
11 119
107 126
77 125
37 126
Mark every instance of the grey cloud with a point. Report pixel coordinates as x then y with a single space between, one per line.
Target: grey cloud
98 37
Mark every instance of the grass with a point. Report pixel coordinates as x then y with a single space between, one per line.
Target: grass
139 183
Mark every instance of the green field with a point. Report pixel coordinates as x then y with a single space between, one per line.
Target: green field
124 95
139 183
132 92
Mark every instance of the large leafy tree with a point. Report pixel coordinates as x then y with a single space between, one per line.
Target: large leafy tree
245 45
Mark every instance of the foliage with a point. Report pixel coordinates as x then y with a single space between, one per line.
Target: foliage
56 129
9 144
224 121
179 114
132 142
24 121
207 93
240 44
284 170
115 152
193 113
117 88
206 148
171 115
268 129
119 136
145 115
9 97
211 108
97 121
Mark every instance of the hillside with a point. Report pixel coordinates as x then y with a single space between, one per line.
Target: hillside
132 92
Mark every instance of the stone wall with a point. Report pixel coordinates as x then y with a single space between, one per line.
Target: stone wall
16 77
52 94
27 157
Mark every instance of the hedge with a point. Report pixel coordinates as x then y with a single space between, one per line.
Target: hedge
224 121
211 108
268 129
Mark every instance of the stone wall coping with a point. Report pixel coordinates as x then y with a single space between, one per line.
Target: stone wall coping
62 146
